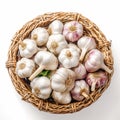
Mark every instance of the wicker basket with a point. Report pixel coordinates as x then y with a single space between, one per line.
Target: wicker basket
90 29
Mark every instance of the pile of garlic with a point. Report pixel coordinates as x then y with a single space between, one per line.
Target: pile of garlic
61 63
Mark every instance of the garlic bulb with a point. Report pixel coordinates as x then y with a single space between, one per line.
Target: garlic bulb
73 31
41 87
25 67
56 27
96 79
62 98
71 45
80 71
80 91
56 43
69 57
40 35
95 61
85 44
27 48
63 80
45 60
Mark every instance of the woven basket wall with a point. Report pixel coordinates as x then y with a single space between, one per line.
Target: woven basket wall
90 29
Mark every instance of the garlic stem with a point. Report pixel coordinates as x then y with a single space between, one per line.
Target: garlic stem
93 85
85 94
41 67
106 68
83 54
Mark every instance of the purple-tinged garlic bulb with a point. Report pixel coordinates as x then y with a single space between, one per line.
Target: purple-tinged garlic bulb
85 44
80 71
73 31
95 61
96 79
80 91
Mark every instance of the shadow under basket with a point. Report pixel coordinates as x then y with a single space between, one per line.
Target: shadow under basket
22 87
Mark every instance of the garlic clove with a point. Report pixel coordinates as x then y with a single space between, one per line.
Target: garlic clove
56 27
40 35
85 44
61 98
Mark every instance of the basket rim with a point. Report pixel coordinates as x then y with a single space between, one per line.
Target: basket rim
44 20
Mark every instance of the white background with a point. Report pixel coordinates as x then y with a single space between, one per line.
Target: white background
15 13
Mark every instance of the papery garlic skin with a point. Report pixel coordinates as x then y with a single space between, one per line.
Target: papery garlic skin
27 48
85 43
80 71
71 45
63 80
41 87
56 27
80 91
95 61
45 60
25 67
73 31
69 57
40 35
62 98
96 79
56 43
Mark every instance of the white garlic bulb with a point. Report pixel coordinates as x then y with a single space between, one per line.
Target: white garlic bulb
45 60
63 80
56 27
85 44
95 61
69 57
25 67
40 35
41 87
62 98
80 91
80 71
56 43
27 48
